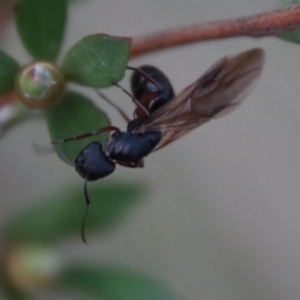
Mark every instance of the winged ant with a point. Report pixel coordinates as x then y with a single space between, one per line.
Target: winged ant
161 117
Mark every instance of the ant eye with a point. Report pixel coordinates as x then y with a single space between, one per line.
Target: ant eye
92 163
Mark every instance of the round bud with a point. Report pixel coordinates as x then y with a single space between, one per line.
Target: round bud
40 85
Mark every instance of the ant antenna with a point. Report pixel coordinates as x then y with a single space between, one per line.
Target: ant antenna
136 102
88 202
121 111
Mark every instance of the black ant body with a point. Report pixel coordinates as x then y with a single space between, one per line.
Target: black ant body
161 117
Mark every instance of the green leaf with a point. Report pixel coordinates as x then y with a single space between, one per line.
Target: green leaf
293 35
97 60
75 115
61 214
112 284
8 70
41 26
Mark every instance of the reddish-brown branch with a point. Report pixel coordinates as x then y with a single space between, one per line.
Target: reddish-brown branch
257 25
263 24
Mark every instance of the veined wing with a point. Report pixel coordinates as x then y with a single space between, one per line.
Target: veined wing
218 92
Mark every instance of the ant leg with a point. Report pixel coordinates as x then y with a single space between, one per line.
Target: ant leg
121 111
146 76
87 134
141 163
136 102
41 150
133 165
62 155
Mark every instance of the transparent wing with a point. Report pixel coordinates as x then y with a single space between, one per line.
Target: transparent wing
218 92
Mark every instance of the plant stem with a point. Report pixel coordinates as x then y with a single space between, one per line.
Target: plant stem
258 25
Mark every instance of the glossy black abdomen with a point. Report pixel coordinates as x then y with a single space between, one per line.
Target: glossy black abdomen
149 94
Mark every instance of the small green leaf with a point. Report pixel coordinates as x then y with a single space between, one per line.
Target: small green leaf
293 35
97 60
113 284
61 214
75 115
8 70
41 26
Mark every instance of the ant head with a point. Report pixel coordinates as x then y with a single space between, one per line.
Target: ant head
92 163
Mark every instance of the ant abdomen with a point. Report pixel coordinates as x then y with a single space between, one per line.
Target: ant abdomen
151 93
